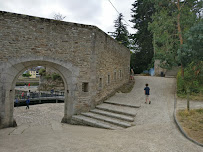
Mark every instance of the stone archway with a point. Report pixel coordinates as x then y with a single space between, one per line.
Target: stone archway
14 67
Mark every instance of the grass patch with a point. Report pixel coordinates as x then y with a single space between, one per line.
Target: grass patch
126 88
192 123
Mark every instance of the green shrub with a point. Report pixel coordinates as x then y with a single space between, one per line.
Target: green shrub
48 76
42 72
192 81
56 76
26 75
180 84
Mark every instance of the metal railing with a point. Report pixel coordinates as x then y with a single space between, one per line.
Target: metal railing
40 94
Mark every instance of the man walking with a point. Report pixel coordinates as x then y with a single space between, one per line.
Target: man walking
147 90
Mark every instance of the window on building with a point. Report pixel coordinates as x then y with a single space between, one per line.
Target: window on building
108 79
120 74
100 82
115 76
85 87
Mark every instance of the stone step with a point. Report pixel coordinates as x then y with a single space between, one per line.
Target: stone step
118 109
113 115
107 119
83 120
122 104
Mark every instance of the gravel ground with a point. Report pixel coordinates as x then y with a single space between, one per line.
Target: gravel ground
39 128
40 114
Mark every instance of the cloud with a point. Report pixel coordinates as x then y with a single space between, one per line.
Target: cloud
85 11
93 12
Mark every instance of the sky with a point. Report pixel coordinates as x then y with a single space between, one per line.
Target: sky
99 13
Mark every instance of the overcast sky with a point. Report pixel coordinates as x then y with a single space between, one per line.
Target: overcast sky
92 12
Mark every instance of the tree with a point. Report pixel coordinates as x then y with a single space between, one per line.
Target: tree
59 17
26 75
192 50
121 33
142 12
42 72
139 62
171 21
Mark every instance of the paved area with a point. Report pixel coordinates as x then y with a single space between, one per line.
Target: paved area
39 128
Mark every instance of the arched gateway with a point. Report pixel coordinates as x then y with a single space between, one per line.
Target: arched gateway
91 63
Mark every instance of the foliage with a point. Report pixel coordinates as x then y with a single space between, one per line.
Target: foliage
191 56
56 76
121 33
26 75
53 76
192 80
143 39
48 76
140 62
170 22
180 84
192 50
42 72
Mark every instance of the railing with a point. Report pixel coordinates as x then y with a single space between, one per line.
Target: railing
38 97
41 94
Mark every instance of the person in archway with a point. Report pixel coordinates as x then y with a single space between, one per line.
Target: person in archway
16 101
52 92
28 94
147 93
27 103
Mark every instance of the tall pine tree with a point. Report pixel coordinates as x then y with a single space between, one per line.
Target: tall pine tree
121 33
143 39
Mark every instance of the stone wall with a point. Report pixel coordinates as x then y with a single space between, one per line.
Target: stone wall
166 72
91 63
158 69
113 65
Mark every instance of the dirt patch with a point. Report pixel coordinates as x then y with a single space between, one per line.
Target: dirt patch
192 123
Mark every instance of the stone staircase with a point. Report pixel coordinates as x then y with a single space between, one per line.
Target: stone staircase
108 115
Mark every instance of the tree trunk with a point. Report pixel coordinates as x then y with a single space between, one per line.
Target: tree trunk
180 34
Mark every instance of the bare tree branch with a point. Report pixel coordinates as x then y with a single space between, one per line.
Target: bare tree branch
59 17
